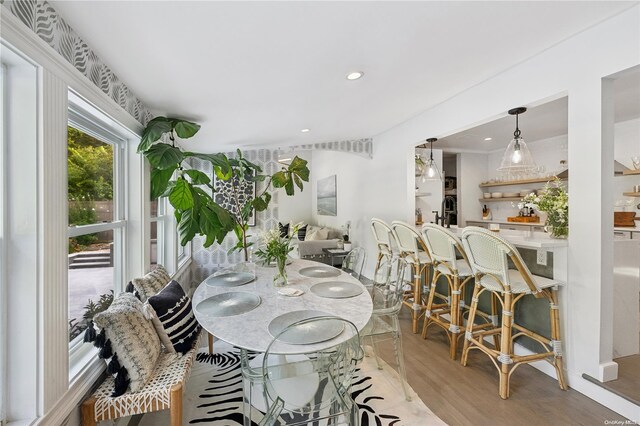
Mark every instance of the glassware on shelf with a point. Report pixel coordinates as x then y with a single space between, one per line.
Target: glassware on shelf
636 162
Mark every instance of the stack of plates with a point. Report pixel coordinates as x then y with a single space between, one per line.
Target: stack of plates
496 195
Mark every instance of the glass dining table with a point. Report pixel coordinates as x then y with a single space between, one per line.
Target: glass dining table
248 315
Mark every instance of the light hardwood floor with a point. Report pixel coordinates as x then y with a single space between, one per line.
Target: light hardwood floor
469 395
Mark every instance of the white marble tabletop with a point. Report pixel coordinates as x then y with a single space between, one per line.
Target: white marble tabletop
250 329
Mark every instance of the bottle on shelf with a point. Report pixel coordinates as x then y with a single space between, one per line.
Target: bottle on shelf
418 216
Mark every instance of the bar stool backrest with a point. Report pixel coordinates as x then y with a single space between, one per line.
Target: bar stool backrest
384 236
488 254
409 240
443 245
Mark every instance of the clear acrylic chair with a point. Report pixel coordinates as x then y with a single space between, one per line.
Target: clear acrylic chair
414 252
354 262
313 386
489 257
387 298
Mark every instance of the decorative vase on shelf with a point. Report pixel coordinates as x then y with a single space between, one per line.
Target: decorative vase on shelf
280 278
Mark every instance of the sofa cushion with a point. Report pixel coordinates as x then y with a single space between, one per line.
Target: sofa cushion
129 342
172 316
151 283
284 230
302 232
316 234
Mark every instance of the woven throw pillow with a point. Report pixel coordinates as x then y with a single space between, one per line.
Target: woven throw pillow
151 283
129 343
172 316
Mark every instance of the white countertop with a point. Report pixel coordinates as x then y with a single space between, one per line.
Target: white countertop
536 240
504 222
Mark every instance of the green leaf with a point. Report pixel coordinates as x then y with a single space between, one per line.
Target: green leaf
220 162
184 129
226 219
170 187
261 203
181 197
188 227
154 131
163 156
160 180
298 181
279 179
197 177
299 167
288 187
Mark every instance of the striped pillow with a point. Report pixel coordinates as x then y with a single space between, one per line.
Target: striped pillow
173 318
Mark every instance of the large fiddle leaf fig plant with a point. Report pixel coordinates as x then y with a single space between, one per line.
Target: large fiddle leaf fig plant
196 211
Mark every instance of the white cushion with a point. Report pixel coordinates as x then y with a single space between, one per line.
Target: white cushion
464 270
518 285
316 234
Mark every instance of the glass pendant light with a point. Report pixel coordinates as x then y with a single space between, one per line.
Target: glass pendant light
431 171
517 158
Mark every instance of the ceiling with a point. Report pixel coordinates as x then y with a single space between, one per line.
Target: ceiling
256 73
542 121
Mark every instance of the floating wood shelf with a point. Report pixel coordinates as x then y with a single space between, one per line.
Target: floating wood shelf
631 172
517 182
486 200
631 194
422 194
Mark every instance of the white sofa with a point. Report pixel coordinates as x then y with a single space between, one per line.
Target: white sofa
312 249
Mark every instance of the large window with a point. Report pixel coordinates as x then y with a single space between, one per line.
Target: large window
96 186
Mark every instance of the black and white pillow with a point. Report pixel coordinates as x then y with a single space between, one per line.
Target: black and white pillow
302 232
172 316
284 230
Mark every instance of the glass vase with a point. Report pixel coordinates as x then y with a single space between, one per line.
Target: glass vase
557 232
280 278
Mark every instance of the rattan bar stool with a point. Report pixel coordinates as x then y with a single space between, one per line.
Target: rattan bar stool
414 252
489 257
444 248
387 246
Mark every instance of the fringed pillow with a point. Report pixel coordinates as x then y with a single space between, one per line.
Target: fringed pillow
284 230
150 284
128 343
172 316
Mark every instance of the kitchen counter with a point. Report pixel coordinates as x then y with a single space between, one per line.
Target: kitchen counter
504 222
533 240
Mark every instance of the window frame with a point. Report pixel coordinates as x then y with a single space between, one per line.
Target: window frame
88 119
3 249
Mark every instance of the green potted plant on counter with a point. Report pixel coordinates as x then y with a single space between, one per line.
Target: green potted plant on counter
196 211
553 199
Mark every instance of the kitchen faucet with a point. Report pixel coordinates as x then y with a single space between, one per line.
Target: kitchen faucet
447 202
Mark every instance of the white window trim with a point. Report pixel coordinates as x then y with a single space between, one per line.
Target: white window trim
51 403
3 249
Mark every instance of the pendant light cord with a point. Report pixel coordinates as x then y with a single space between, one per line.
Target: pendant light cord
516 134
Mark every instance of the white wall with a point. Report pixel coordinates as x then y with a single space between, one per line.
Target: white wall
298 207
471 170
349 183
573 68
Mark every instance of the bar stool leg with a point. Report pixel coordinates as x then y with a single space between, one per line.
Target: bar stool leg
427 314
506 347
454 327
417 296
556 342
494 320
470 322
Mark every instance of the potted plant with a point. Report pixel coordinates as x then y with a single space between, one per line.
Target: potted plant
553 199
196 211
276 248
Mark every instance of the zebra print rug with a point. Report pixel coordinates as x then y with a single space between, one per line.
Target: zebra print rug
213 395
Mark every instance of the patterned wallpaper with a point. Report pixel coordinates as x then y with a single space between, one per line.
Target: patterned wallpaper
362 147
43 20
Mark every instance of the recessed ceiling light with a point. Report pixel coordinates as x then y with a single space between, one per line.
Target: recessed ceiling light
305 130
354 75
488 139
